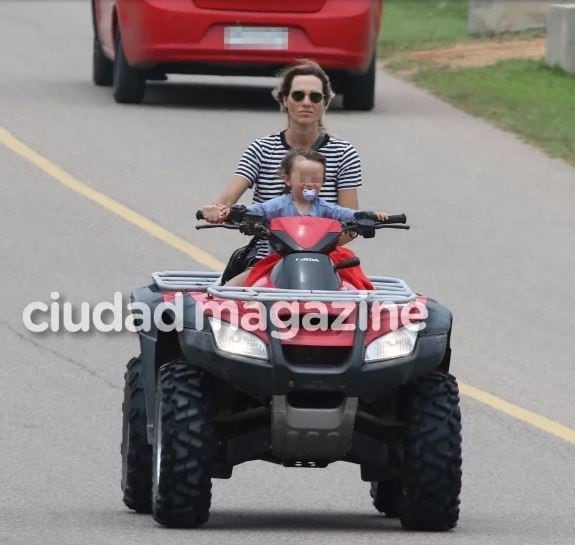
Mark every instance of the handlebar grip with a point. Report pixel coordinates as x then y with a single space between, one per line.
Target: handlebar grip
199 215
399 218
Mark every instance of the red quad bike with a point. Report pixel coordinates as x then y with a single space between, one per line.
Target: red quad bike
206 396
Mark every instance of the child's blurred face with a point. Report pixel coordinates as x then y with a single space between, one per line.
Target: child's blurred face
305 174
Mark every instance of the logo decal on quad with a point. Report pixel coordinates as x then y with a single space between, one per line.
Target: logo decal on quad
313 259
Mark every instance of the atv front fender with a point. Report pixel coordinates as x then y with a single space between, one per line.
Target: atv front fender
439 322
157 347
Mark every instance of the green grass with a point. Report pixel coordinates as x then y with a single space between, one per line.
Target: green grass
409 25
420 24
523 96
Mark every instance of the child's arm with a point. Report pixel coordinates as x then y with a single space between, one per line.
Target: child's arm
336 212
256 208
266 209
270 209
341 213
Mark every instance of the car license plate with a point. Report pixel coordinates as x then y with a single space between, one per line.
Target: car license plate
256 37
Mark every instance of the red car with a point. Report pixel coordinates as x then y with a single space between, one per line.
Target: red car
139 40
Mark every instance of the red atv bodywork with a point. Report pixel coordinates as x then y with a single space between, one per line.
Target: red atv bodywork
308 236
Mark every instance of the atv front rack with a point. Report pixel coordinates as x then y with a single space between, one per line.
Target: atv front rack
185 280
386 289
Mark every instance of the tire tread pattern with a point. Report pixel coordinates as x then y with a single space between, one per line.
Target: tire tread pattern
431 479
136 451
182 498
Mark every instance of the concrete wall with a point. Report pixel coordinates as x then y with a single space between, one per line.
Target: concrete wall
498 16
561 37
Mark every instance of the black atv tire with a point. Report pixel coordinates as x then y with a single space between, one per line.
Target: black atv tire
129 83
386 496
359 90
136 452
184 447
431 470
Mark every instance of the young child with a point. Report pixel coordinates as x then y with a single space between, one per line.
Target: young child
304 174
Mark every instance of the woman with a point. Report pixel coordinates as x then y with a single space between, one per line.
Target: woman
304 93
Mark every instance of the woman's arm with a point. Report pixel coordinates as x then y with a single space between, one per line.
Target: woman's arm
217 211
245 176
347 198
233 191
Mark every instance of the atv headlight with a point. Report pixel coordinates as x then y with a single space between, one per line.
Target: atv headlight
237 341
392 345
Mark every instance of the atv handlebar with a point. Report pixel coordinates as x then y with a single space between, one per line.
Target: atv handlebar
364 223
366 215
399 218
236 214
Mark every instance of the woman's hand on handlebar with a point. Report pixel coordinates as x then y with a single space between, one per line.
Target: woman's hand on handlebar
381 216
215 213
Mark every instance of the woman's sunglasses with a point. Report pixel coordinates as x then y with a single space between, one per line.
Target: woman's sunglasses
315 96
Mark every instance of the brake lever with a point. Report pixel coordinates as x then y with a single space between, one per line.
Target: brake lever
218 226
391 226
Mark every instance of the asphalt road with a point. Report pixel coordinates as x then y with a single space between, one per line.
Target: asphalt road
493 237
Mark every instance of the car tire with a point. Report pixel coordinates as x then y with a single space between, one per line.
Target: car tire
184 447
359 90
136 452
102 67
431 469
386 496
129 83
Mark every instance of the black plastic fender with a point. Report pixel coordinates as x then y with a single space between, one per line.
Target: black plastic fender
439 323
150 296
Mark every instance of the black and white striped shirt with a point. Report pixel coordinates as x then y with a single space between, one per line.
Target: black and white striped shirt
261 162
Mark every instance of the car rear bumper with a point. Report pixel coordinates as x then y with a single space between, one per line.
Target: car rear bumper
169 32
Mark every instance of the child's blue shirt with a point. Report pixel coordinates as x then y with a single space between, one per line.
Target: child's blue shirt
284 206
